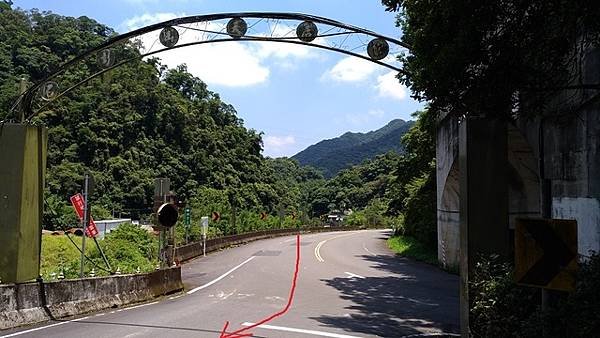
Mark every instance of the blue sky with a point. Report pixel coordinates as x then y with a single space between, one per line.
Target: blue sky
296 95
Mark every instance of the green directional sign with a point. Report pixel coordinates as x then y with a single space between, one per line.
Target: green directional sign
187 215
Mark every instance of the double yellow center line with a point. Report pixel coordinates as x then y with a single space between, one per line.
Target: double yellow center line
321 243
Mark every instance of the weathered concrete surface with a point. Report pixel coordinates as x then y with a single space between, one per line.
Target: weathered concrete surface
22 168
447 175
30 303
568 148
572 164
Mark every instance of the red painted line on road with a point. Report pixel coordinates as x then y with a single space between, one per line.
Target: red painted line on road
238 333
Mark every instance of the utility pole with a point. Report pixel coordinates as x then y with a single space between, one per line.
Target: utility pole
22 90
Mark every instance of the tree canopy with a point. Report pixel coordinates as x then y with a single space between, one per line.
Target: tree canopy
140 121
483 57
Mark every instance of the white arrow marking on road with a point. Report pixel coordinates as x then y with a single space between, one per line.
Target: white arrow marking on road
353 275
291 329
221 277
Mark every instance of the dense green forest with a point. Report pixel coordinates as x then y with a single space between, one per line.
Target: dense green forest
144 121
331 156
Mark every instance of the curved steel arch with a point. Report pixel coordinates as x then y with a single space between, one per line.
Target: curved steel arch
26 100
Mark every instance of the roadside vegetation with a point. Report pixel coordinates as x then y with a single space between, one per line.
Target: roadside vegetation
410 247
143 120
500 308
489 59
129 249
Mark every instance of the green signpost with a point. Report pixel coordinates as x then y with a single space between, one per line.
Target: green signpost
187 215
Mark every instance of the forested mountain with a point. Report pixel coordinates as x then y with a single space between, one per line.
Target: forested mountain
333 155
142 120
139 122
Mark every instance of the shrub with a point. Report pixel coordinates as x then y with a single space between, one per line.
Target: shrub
500 308
128 247
420 220
497 305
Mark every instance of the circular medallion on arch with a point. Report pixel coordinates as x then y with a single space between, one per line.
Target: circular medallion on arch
378 49
168 37
307 31
49 90
237 27
106 58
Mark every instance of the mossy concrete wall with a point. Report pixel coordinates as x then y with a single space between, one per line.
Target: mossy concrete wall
35 302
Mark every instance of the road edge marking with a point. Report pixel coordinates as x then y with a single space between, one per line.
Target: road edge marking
291 329
44 327
220 277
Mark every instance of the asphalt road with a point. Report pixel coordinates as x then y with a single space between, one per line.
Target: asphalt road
349 285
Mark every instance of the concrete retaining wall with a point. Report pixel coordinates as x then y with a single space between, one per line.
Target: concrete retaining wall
34 302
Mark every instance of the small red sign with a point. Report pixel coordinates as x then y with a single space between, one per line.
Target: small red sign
78 204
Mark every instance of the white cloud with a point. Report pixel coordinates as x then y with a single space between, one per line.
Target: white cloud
351 69
278 145
231 63
148 19
283 50
389 86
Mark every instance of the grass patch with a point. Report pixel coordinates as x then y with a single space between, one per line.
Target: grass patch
59 254
128 248
410 247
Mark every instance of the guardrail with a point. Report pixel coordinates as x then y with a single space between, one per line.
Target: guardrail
192 250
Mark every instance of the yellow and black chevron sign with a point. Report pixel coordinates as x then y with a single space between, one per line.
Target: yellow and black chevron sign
546 253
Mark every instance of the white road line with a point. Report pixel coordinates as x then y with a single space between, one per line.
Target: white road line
43 327
369 251
353 275
291 329
289 240
220 277
139 306
432 334
318 251
175 297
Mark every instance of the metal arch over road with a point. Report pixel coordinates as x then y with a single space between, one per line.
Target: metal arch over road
294 28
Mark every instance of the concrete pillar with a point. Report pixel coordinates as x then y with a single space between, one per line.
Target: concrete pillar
483 198
23 158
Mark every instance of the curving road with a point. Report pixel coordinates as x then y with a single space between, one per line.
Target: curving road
349 285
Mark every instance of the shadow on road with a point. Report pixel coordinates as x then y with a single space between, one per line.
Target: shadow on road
414 298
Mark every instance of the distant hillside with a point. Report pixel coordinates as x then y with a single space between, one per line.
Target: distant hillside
342 152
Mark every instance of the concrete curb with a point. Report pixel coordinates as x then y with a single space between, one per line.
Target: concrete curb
35 302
